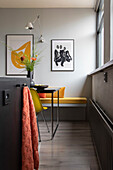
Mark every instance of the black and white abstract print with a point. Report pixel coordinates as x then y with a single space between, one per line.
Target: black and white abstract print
62 55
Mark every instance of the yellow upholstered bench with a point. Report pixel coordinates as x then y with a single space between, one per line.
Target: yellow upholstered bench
66 101
73 107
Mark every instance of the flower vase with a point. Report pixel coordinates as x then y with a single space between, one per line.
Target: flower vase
30 75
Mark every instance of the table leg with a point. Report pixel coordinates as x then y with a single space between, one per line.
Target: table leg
53 131
52 116
58 108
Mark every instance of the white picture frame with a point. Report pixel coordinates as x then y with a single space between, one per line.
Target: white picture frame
62 55
16 46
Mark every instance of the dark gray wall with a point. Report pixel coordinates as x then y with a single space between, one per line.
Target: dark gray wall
102 92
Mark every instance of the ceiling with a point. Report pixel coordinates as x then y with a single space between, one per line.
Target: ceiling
47 3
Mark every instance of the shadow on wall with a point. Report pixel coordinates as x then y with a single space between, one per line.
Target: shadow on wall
87 88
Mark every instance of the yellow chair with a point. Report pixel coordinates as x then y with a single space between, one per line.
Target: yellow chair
38 108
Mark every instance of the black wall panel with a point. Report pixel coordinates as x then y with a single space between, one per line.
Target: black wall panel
10 122
103 136
102 92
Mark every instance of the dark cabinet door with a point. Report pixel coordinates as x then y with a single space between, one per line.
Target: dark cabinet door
10 125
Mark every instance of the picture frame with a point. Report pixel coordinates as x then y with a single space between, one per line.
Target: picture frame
18 45
62 55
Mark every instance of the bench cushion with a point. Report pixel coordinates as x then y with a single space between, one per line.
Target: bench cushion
42 95
66 100
55 94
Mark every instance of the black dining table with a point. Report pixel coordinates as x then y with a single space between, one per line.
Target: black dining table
46 89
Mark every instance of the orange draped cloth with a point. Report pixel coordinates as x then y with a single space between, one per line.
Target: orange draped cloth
30 156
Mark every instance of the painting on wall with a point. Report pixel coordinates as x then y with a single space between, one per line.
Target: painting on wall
17 46
62 55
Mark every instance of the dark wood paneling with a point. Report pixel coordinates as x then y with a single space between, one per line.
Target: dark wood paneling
102 92
103 136
67 113
10 124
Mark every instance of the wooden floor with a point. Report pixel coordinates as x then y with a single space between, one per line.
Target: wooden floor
71 149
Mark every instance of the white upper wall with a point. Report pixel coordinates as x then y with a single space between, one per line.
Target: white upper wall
48 4
77 24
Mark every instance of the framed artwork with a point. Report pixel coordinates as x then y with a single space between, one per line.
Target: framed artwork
62 55
18 45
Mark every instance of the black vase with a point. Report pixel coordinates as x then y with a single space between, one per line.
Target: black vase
30 75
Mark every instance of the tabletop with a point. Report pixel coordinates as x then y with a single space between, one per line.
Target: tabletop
46 89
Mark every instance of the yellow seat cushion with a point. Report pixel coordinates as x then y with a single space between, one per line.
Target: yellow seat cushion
66 100
36 100
45 108
55 94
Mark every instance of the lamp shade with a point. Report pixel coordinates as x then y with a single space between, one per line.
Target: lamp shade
41 39
29 26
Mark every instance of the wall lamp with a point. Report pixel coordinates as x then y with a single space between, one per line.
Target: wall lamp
30 26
